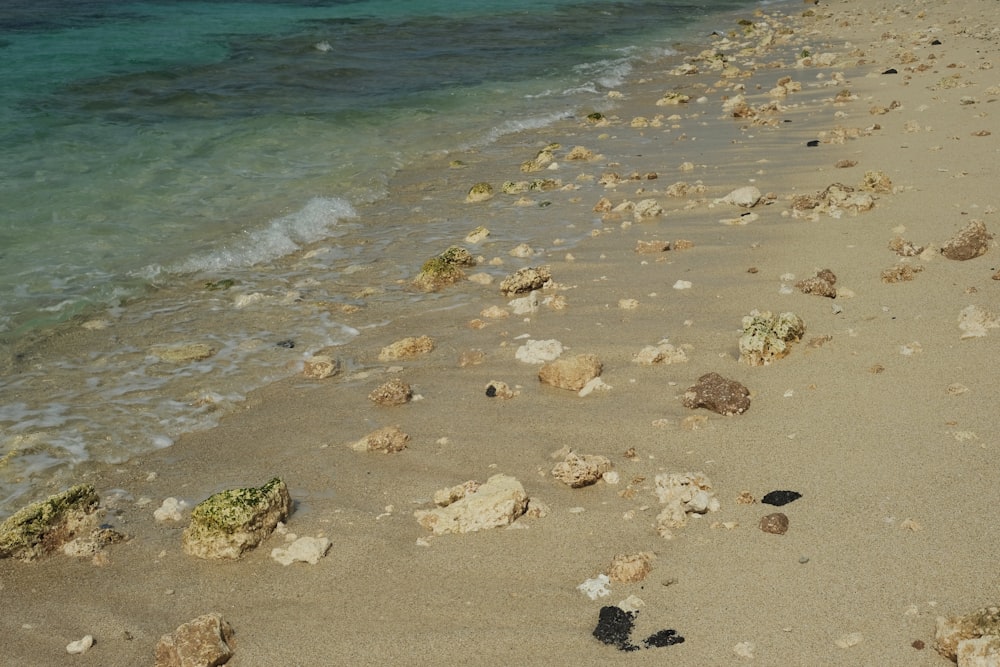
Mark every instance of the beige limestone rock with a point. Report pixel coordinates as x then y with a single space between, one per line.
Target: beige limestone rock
479 192
979 652
497 503
822 284
571 373
232 522
662 353
952 630
525 280
766 336
388 440
302 550
202 642
746 197
407 348
46 526
630 568
320 367
578 470
393 392
683 494
974 322
183 353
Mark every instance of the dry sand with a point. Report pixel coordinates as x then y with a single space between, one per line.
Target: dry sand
895 462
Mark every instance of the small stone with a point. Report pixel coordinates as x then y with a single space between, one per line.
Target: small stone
171 509
614 627
476 235
406 348
232 522
572 373
630 568
303 550
388 440
766 336
716 393
479 192
971 241
745 197
651 247
901 273
80 646
663 353
779 498
578 471
951 631
44 527
539 351
184 353
202 642
526 280
393 392
683 494
776 524
822 284
320 367
498 389
497 503
877 181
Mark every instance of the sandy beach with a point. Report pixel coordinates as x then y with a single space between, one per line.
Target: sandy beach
881 416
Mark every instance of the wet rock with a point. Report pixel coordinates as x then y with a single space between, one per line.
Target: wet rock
683 494
834 201
716 393
302 550
971 241
46 526
766 336
393 392
543 159
662 353
479 192
651 247
572 373
93 544
526 280
539 351
646 209
776 524
202 642
184 353
952 631
578 471
406 348
745 197
498 389
444 269
822 284
232 522
779 498
499 502
388 440
320 367
171 509
476 235
631 568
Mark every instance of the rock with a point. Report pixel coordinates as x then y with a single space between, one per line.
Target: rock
745 197
974 322
171 509
303 550
822 284
525 304
479 192
683 494
651 247
476 235
445 497
970 242
499 502
630 568
776 524
320 367
202 642
572 373
87 546
44 527
614 627
526 280
836 199
184 353
765 336
979 652
498 389
716 393
780 498
543 159
388 440
953 630
905 248
539 351
444 269
578 471
80 646
232 522
877 181
663 353
393 392
646 209
901 273
406 348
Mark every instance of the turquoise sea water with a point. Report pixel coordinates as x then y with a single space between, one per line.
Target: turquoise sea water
142 142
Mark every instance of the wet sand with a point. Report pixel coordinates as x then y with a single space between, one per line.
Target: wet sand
883 417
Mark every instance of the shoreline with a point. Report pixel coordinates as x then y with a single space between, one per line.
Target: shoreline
880 416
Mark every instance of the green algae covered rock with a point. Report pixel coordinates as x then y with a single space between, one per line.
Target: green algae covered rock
444 269
45 526
232 522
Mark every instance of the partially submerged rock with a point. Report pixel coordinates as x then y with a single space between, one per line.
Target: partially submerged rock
970 242
539 351
716 393
44 527
766 336
479 192
388 440
571 373
526 280
822 284
393 392
407 348
683 494
578 470
954 631
183 353
497 503
320 367
444 269
202 642
232 522
662 353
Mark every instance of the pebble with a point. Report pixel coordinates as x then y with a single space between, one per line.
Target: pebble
776 524
80 645
779 498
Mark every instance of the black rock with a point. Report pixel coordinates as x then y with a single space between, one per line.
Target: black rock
663 638
491 391
614 625
779 498
891 70
813 143
288 343
936 42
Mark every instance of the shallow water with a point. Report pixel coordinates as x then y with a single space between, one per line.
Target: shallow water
156 148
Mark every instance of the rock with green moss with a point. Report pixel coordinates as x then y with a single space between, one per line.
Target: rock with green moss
479 192
766 336
45 526
232 522
542 160
444 269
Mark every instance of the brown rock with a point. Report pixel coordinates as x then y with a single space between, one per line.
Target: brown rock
203 642
971 242
716 393
387 440
651 247
526 280
393 392
822 284
904 248
630 568
901 273
572 373
579 471
776 524
407 348
953 631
